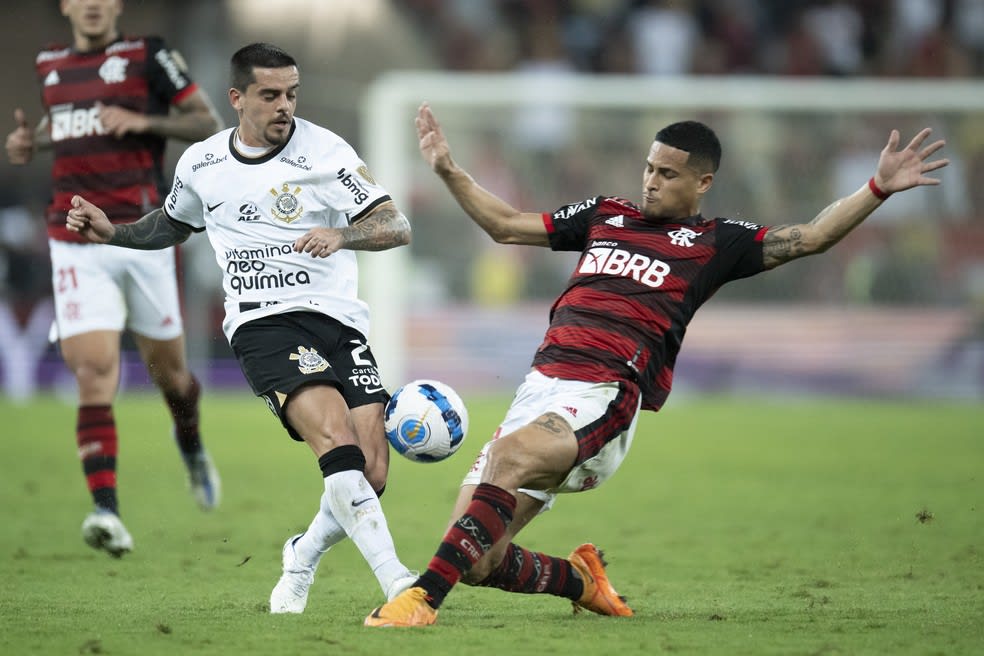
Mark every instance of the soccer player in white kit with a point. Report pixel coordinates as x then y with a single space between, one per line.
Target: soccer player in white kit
285 204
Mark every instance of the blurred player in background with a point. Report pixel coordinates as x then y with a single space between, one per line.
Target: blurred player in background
286 204
110 103
610 348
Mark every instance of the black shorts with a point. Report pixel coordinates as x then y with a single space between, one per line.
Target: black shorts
282 353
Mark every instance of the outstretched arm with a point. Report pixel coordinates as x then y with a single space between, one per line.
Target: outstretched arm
898 170
499 219
153 232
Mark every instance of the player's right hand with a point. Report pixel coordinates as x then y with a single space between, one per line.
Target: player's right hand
20 142
89 221
120 122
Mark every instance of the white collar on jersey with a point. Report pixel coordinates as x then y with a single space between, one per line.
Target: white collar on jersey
250 151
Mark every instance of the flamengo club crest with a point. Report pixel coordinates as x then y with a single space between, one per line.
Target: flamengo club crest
683 237
113 70
286 207
309 361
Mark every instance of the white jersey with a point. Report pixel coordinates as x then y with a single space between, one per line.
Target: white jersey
254 209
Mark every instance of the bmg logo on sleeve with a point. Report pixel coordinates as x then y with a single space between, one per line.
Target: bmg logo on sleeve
358 192
172 198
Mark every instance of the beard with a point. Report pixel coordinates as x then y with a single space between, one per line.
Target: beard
276 136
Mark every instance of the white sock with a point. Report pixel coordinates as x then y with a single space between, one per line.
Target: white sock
356 508
323 533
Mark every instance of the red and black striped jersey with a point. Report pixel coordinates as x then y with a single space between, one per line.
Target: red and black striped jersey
637 285
123 176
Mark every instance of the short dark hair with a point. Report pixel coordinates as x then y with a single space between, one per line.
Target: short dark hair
256 55
698 140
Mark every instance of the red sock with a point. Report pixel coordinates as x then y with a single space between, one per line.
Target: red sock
483 524
95 434
529 572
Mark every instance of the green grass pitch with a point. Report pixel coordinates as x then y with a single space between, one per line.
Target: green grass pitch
736 526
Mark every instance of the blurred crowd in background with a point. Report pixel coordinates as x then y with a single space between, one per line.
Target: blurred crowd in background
928 251
794 38
923 38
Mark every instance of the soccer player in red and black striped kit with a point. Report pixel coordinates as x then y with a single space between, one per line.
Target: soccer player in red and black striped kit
111 102
610 348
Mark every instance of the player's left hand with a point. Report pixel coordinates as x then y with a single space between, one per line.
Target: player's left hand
319 242
433 144
899 170
120 122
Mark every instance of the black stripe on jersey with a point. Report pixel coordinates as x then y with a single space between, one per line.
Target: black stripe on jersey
373 205
187 225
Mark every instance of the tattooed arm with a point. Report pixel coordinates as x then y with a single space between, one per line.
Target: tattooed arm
898 170
383 228
153 232
788 242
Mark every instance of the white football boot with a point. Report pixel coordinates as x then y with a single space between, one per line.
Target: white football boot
102 529
291 592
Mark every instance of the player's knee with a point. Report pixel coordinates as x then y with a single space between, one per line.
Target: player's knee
510 466
171 381
166 364
92 366
95 377
322 436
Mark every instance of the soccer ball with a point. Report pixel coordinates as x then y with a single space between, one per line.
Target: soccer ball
425 421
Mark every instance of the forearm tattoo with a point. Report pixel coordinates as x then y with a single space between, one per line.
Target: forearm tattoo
782 244
787 242
153 232
384 228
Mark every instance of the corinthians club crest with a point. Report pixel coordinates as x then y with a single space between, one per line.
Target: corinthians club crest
309 361
286 206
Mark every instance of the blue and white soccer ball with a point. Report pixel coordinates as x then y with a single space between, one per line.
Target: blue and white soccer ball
425 421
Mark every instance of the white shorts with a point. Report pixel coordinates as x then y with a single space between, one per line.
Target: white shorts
101 287
581 404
